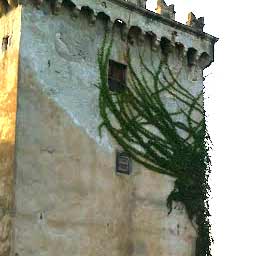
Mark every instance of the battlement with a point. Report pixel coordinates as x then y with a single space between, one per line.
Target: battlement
163 10
159 26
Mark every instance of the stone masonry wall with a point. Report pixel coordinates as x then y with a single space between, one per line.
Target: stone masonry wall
69 199
9 59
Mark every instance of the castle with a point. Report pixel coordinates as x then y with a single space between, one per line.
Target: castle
61 189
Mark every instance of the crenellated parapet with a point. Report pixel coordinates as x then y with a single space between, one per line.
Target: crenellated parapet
195 23
159 27
165 10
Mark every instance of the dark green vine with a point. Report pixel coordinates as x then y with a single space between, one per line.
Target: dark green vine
152 134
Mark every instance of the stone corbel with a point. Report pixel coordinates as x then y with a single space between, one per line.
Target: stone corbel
109 25
205 60
156 44
141 38
124 32
185 51
92 19
131 39
75 13
55 7
165 10
180 50
195 23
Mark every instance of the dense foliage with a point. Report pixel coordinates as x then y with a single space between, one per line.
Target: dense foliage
154 135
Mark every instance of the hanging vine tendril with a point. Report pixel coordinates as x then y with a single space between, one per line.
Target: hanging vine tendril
138 119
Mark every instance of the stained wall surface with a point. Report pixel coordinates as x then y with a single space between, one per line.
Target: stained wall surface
69 200
9 59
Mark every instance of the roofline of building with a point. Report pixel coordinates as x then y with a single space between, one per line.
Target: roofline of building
164 20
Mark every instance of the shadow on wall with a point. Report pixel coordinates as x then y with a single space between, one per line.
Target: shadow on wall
6 174
6 196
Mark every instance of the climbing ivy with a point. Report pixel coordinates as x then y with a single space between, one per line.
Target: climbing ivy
153 135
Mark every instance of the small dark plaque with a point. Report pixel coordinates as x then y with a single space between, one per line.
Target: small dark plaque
123 163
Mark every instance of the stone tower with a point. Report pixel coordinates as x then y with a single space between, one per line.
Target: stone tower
59 191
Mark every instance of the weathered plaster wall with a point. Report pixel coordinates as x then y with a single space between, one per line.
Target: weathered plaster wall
9 58
69 199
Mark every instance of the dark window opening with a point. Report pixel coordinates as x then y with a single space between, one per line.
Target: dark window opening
5 43
116 76
123 163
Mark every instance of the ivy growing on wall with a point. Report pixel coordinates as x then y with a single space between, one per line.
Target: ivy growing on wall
171 141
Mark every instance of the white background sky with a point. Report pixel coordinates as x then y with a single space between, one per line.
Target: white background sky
231 109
